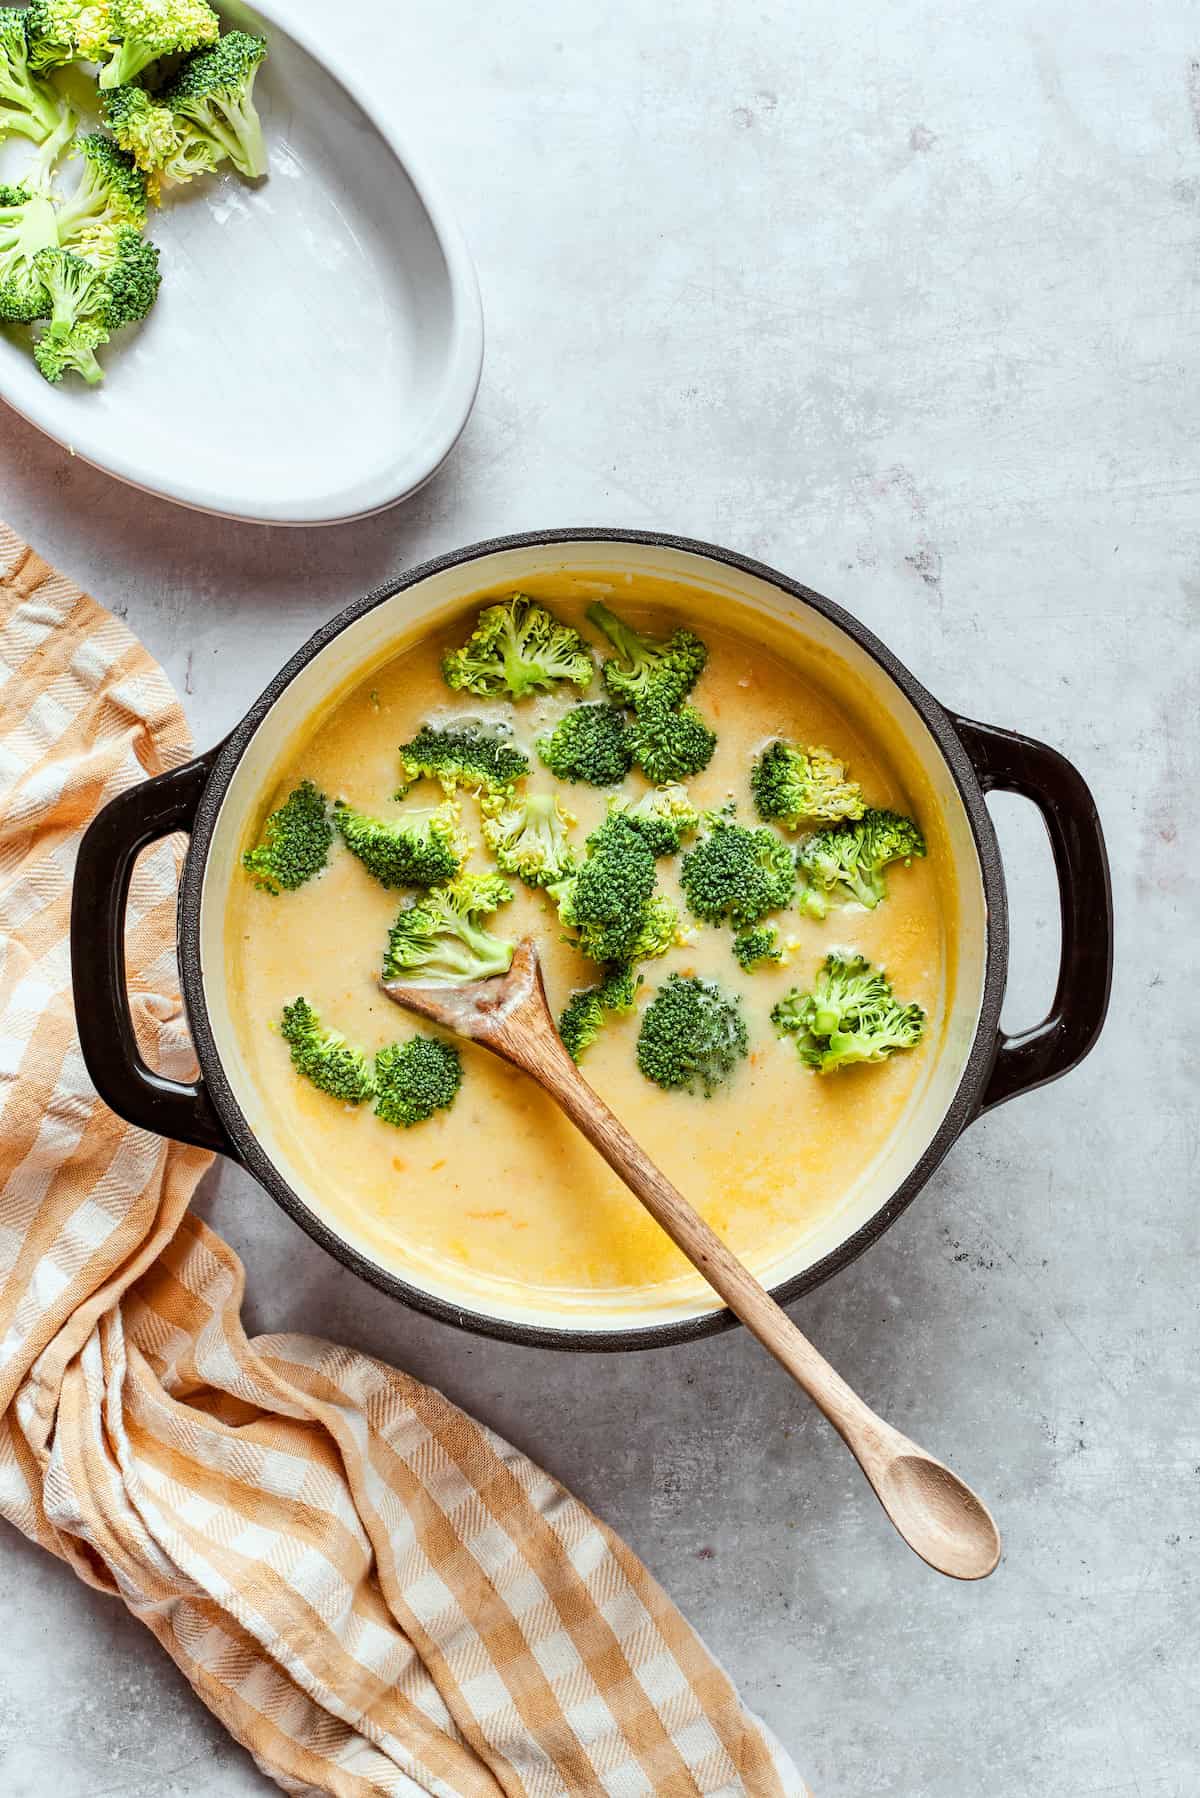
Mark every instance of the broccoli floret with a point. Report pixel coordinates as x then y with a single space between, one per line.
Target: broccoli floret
165 147
27 227
580 1020
756 947
191 155
111 193
527 834
518 648
27 106
691 1035
589 743
420 849
610 905
662 669
73 352
847 862
464 755
80 294
62 31
214 93
438 939
324 1056
791 784
75 289
415 1079
145 30
144 129
658 930
587 1009
295 841
130 266
86 303
606 903
670 745
851 1015
737 872
663 816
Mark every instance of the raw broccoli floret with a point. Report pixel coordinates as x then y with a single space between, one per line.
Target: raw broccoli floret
438 939
415 1079
111 193
27 227
166 147
847 862
737 872
605 905
527 834
422 848
324 1056
145 30
586 1010
850 1015
76 289
691 1035
589 743
463 755
295 840
663 816
757 947
73 352
214 93
670 745
80 294
28 106
129 263
791 784
87 302
144 128
662 669
190 156
518 648
62 31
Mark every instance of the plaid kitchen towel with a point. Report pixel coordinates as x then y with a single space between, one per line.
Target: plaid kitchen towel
370 1590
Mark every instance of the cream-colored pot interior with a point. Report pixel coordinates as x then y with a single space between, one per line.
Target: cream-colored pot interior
756 608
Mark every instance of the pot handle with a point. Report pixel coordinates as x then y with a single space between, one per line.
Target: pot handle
1016 764
111 844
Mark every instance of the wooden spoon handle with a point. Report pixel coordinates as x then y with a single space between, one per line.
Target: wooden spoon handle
865 1434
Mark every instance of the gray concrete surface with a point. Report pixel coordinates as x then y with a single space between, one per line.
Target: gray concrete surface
901 299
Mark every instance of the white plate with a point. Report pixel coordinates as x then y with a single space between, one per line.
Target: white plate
315 349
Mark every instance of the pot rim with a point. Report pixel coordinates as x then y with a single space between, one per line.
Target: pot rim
963 1107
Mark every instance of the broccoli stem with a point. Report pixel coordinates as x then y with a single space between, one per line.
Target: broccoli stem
241 139
126 63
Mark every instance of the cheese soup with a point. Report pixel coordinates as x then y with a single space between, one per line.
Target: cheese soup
500 1194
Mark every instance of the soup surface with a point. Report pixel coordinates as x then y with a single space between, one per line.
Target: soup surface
500 1195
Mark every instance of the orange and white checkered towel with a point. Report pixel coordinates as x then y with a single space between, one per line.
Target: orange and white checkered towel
373 1592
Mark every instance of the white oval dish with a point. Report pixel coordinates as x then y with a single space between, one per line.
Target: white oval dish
316 346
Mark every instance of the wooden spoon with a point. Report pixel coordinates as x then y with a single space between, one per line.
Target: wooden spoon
936 1513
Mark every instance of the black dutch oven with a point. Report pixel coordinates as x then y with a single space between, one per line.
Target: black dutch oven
217 797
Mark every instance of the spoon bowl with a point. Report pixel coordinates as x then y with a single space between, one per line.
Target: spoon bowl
938 1515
